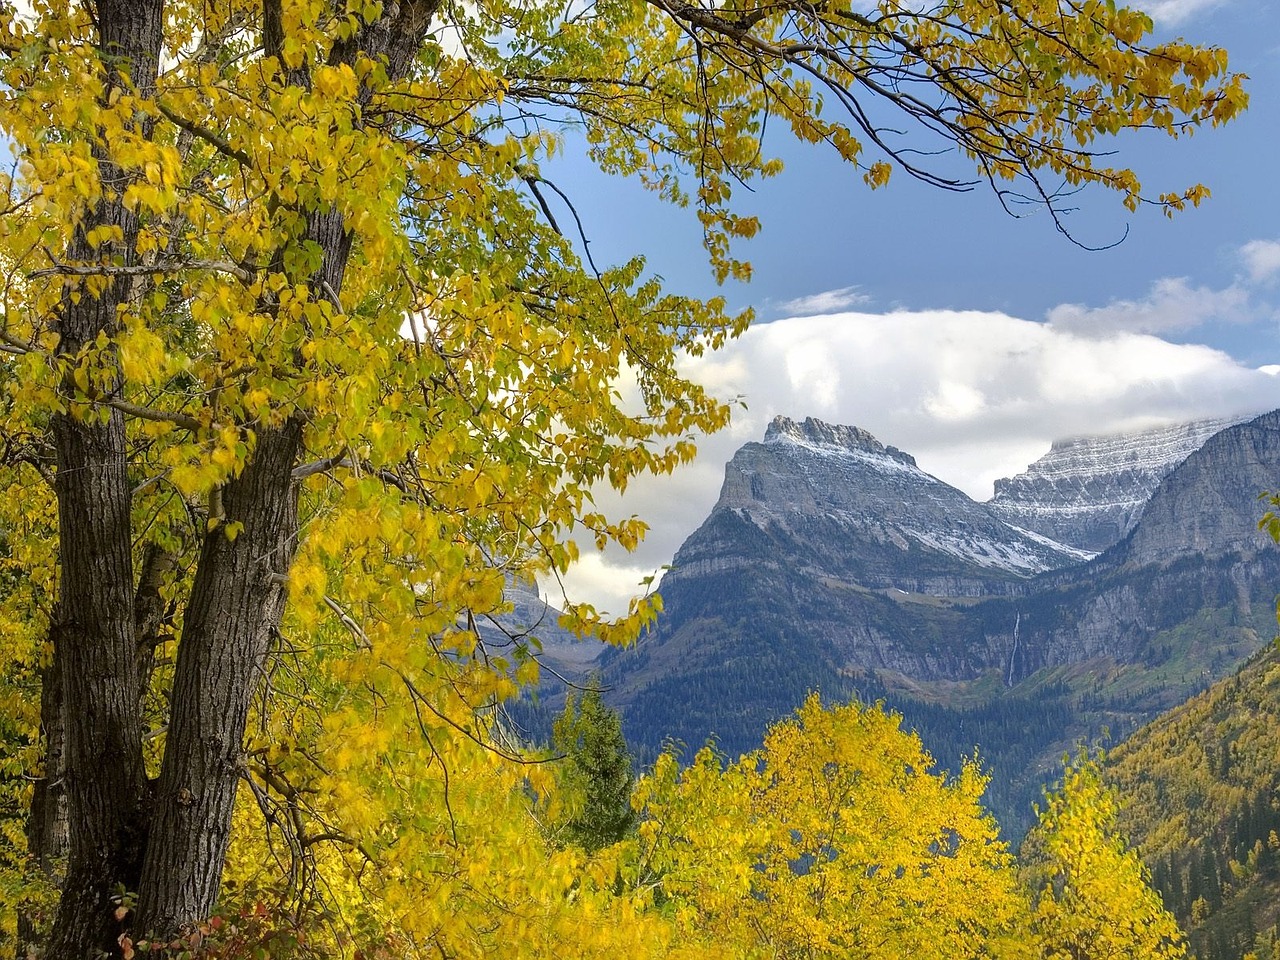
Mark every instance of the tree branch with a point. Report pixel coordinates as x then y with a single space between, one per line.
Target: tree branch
207 135
142 269
186 421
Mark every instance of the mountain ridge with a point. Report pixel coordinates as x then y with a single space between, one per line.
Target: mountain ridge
1088 492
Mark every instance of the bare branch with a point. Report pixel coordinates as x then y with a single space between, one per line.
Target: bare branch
347 621
142 269
302 471
184 420
207 135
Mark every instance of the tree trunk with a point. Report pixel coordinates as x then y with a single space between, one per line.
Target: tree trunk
238 596
172 852
96 656
95 644
236 602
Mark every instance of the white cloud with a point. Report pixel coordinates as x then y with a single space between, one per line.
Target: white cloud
1173 305
954 401
600 578
812 370
973 396
829 301
1261 260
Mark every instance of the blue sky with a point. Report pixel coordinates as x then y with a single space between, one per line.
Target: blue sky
964 336
914 247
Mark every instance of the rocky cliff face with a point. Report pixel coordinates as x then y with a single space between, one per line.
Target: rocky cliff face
1209 505
1088 492
833 501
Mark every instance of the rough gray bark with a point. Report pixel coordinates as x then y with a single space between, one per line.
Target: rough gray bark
236 602
151 612
95 642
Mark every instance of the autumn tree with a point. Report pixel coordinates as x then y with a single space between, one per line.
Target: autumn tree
596 772
1093 896
302 358
835 839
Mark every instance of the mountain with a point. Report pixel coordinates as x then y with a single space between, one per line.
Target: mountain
848 506
1088 492
1200 800
833 562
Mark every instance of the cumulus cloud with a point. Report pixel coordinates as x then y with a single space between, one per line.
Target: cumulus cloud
829 301
973 396
1173 305
1261 260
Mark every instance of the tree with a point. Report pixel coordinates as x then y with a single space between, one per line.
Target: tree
294 347
598 775
1094 899
833 840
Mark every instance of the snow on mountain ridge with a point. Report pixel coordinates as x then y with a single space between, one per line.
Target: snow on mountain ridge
1088 492
810 472
1157 449
819 433
1054 544
884 462
1081 497
1009 555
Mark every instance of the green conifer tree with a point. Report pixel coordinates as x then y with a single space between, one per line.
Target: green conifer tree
598 774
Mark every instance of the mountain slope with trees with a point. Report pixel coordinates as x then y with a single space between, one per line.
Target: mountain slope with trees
1200 792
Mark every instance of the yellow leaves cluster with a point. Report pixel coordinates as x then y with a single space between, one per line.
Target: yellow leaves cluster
429 843
28 525
833 840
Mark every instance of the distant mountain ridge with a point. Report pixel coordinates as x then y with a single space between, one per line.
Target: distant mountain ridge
839 506
832 562
844 472
1088 492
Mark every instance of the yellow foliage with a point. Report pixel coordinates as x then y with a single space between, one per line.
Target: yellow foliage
833 840
1093 895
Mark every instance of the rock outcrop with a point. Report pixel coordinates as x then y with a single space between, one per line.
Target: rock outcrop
836 502
1209 505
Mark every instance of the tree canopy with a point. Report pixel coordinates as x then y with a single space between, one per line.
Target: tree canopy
301 357
836 839
1093 895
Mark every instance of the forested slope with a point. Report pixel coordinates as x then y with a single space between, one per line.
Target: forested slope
1199 790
